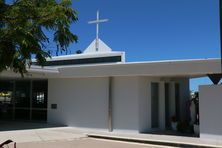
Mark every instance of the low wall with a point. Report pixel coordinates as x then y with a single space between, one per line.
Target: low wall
210 111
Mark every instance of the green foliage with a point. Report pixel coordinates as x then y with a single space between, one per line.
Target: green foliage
22 26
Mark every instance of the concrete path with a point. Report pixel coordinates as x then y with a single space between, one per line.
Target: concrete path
64 137
74 137
86 143
169 140
37 135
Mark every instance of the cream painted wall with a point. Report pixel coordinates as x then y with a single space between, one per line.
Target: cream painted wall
125 103
81 102
144 104
210 111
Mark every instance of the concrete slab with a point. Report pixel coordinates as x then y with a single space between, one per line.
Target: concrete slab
69 136
37 135
157 139
86 143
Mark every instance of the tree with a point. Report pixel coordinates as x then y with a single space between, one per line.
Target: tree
23 24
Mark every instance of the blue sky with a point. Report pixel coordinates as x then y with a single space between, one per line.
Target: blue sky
153 29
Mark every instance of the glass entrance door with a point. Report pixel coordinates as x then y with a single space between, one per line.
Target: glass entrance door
6 99
23 99
39 100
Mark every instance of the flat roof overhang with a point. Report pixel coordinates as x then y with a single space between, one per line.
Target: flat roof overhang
175 68
179 68
33 72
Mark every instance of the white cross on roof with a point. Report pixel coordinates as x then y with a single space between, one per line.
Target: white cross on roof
97 21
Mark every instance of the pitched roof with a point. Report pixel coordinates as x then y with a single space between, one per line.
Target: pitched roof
103 48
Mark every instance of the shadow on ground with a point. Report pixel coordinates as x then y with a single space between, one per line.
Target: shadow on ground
172 133
23 125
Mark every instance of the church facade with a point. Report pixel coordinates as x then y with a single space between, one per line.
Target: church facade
100 90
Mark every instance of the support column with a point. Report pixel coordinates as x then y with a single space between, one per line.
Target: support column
110 106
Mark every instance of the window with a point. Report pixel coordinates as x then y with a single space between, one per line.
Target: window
23 99
155 105
83 61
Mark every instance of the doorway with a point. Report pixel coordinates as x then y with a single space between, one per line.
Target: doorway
23 100
6 100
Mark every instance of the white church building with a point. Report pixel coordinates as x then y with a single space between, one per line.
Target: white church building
98 89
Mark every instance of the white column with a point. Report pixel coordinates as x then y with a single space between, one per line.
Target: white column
110 105
97 32
162 105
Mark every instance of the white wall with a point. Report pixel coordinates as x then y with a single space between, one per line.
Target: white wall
210 106
125 103
144 105
81 102
85 103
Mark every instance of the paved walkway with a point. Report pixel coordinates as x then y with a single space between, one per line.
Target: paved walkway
63 137
72 135
86 143
37 135
180 141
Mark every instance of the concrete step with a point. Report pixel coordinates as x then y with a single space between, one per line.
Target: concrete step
157 141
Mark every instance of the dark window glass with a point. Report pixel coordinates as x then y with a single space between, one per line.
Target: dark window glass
155 105
23 99
83 61
167 105
177 100
22 94
40 115
6 99
22 114
39 94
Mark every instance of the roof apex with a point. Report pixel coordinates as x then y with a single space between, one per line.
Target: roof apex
103 48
